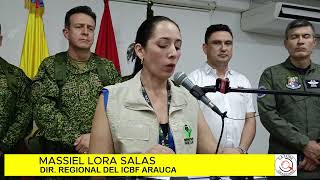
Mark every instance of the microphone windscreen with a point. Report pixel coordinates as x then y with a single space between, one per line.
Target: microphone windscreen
179 77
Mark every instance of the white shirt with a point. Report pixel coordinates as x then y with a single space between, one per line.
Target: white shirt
236 104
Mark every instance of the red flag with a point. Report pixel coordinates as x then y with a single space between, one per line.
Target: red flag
106 44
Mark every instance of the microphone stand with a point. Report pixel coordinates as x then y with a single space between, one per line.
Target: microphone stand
207 89
222 86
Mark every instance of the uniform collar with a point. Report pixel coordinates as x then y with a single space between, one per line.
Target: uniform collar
90 65
208 70
289 65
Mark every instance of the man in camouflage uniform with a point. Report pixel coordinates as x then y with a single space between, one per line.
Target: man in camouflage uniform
64 112
294 121
15 107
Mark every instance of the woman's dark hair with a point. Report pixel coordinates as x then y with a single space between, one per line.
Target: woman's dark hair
144 33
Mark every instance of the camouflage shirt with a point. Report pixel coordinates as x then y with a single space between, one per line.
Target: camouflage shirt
79 96
15 106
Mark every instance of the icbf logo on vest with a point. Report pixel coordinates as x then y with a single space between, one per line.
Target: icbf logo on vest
285 165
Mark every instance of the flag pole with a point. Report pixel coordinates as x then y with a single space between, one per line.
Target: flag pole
149 9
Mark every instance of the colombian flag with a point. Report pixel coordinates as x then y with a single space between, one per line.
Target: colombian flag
35 47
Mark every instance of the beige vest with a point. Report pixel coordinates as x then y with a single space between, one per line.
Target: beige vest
134 125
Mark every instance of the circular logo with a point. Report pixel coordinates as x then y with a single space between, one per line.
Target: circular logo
286 165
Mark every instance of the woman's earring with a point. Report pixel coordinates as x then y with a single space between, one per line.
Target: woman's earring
141 60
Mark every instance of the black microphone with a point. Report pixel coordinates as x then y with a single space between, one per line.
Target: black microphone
180 78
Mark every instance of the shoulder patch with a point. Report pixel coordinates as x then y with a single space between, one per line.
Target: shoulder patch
261 95
293 83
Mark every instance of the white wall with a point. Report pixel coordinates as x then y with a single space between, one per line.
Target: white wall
252 52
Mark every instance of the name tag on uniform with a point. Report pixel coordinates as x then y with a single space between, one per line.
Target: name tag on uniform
313 83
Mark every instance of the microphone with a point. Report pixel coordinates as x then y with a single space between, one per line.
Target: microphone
180 78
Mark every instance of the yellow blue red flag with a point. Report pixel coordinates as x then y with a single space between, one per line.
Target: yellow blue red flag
35 47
